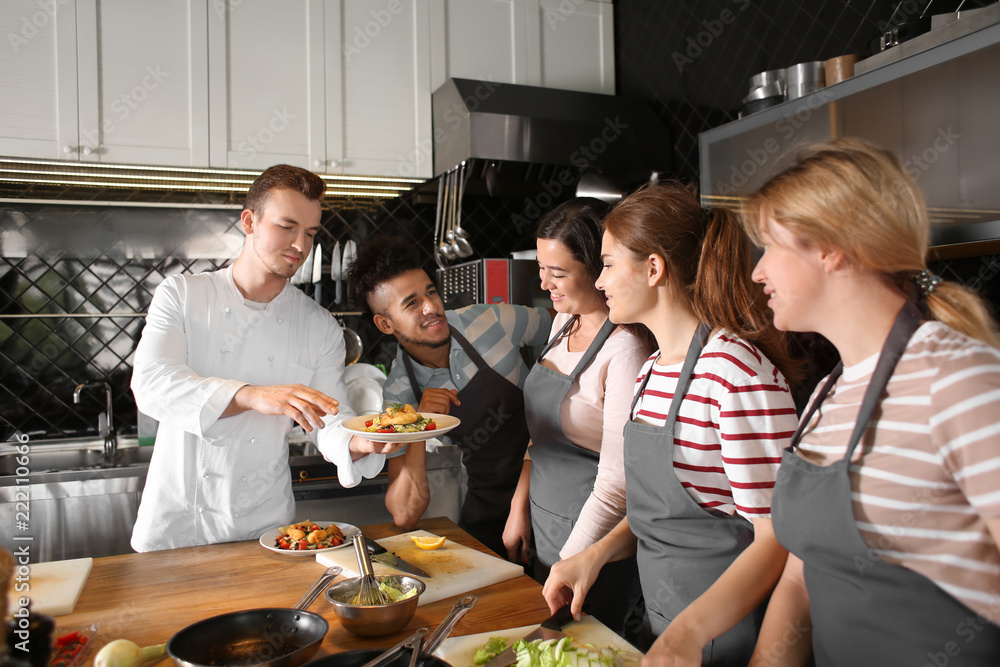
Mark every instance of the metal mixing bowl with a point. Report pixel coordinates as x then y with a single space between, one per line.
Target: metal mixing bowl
374 621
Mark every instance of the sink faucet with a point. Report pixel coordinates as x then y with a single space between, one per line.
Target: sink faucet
105 425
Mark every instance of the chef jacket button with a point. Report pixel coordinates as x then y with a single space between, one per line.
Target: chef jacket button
270 358
236 514
201 510
228 311
244 478
205 475
280 320
253 440
224 350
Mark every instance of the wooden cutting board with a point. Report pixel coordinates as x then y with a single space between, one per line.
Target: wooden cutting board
454 568
55 586
459 651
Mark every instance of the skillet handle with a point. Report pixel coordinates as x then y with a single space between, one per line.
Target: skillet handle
444 629
317 588
391 653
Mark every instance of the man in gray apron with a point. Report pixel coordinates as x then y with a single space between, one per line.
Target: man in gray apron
464 362
881 614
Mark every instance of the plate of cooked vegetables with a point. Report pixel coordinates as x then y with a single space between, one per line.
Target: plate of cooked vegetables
309 537
400 423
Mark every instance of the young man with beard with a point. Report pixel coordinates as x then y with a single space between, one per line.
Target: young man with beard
464 362
227 361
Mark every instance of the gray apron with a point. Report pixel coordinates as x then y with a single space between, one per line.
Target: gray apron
562 479
682 548
493 438
866 611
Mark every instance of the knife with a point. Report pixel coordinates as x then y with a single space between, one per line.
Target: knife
317 273
386 557
551 628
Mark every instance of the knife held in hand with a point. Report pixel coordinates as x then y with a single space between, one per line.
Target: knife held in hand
386 557
551 628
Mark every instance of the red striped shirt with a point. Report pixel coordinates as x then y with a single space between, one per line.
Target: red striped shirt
736 418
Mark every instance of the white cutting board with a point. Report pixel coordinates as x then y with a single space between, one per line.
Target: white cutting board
454 568
459 651
56 586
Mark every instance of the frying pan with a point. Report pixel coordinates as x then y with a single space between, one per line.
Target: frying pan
360 657
270 637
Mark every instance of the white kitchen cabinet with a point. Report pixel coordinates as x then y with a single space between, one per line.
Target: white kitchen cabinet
378 87
266 84
576 43
340 86
105 81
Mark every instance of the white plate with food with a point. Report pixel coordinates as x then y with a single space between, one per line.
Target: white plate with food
400 423
315 542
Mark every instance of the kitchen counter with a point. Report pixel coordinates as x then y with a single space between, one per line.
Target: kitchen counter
148 597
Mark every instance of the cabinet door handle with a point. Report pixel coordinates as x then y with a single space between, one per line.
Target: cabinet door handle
68 150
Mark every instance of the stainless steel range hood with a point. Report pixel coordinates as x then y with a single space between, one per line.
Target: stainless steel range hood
509 122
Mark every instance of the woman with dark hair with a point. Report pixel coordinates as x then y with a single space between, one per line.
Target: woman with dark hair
889 496
572 486
710 415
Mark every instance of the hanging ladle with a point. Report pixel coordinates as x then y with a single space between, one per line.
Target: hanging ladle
444 248
459 237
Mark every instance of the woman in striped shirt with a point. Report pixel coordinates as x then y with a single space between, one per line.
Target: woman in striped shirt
889 497
710 416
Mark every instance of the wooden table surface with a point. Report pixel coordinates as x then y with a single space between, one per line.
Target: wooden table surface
148 597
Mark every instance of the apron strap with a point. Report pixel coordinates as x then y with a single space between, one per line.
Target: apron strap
684 380
466 345
906 323
555 339
595 346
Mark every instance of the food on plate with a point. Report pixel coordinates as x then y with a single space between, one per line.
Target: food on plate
394 594
429 542
308 535
399 418
563 652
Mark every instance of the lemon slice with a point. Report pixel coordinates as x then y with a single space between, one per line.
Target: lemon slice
429 543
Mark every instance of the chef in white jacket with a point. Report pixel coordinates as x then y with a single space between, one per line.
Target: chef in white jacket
227 362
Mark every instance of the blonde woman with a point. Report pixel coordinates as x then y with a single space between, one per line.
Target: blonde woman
889 496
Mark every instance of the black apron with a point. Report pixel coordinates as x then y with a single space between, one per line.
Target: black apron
562 479
866 611
682 548
493 437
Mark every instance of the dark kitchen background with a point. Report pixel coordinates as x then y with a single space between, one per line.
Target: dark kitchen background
689 60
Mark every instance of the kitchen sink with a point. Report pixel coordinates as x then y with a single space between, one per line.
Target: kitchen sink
73 455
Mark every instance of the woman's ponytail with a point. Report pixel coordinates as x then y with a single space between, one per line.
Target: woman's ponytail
962 310
725 295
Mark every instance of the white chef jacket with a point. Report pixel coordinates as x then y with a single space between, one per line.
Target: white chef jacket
221 480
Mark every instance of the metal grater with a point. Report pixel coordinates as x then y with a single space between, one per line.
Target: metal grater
461 284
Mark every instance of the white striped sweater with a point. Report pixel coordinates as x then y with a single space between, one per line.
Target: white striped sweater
927 477
736 418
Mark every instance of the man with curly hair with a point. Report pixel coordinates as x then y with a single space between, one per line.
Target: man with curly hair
227 361
463 362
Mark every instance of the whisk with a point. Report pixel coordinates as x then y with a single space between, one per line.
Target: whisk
370 594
